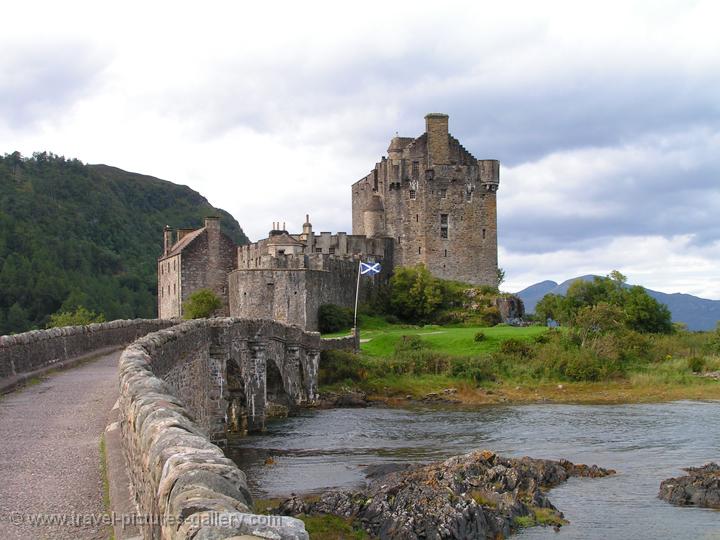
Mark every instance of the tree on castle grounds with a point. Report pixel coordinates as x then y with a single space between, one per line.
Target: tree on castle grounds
201 304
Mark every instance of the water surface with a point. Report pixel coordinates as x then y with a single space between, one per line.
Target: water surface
645 443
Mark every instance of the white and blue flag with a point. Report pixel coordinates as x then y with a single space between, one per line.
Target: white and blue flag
369 269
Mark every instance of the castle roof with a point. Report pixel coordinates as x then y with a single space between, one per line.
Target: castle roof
283 239
184 242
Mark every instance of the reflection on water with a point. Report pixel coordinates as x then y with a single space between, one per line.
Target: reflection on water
644 443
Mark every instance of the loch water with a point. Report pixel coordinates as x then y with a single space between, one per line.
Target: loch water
646 443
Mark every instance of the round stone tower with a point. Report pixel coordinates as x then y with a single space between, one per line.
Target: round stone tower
374 217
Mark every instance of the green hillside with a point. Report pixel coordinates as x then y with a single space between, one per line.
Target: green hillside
73 234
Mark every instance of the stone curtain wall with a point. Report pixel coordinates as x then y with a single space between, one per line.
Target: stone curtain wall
177 474
38 349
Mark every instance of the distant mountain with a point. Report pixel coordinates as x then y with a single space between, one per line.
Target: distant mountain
74 234
697 313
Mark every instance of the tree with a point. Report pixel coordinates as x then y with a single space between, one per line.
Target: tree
645 314
80 317
598 320
552 306
201 304
500 276
333 318
415 295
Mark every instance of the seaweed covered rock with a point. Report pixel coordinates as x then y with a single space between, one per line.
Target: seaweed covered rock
701 487
476 495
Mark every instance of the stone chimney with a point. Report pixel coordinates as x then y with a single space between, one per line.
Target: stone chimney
167 239
212 223
436 127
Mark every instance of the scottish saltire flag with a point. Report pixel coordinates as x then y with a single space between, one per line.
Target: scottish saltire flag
369 269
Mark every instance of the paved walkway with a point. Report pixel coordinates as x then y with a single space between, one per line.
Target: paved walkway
50 453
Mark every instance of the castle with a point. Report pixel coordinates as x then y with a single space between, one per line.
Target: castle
429 201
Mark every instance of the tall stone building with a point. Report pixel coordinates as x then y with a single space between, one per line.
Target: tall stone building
194 259
429 201
438 203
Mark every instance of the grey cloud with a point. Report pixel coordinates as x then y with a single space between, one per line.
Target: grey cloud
40 81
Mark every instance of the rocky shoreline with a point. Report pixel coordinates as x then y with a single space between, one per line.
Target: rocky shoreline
476 495
700 487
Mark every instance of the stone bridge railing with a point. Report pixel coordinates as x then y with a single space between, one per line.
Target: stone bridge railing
29 353
184 386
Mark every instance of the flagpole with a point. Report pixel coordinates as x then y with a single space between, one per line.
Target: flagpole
357 294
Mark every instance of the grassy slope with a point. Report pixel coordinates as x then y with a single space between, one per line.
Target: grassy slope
667 380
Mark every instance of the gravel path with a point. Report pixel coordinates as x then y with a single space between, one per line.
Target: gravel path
50 452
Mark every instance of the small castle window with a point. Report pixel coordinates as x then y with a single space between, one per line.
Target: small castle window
443 226
413 194
417 217
483 234
174 288
281 252
446 252
419 250
415 169
443 193
174 264
318 250
332 251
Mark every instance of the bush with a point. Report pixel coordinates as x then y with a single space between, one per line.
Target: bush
490 316
201 304
415 295
696 364
79 317
339 366
410 343
479 336
475 369
515 347
333 318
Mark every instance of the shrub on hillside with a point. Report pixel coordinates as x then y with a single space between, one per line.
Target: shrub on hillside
415 295
479 336
490 316
410 343
333 318
201 304
696 364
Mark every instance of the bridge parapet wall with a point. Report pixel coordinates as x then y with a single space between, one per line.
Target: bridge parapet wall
173 389
41 349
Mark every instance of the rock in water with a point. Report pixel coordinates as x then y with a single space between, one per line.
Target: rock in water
477 495
701 487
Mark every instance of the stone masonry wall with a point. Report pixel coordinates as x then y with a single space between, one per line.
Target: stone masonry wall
30 351
178 477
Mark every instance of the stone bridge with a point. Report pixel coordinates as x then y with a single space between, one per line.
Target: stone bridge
182 388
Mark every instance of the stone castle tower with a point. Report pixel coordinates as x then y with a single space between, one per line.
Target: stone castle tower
436 201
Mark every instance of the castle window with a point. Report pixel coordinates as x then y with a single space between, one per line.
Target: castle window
174 264
446 253
413 194
396 172
417 217
443 225
332 251
483 234
443 193
174 288
419 250
318 250
415 169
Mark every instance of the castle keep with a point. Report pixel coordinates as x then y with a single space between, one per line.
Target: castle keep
436 201
429 201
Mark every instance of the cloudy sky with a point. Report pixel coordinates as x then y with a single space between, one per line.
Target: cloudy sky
604 115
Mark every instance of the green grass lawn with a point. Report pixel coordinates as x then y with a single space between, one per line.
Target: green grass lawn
455 341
